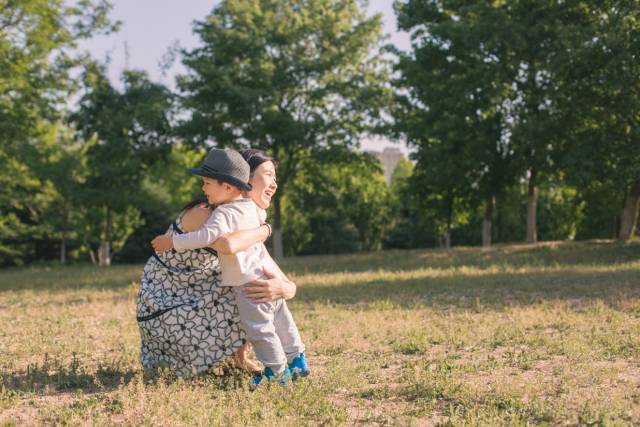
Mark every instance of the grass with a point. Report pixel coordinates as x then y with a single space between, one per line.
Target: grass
542 334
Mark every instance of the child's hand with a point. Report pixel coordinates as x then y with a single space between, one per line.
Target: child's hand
162 243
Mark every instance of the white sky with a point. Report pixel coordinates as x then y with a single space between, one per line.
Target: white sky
150 27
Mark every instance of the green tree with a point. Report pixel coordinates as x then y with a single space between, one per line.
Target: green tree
409 227
37 44
561 210
451 109
128 130
442 195
166 187
602 97
36 38
339 202
532 71
61 166
291 77
529 41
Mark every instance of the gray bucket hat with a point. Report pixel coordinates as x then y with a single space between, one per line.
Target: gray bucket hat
227 166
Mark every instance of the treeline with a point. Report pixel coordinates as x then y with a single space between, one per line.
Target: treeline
522 115
533 100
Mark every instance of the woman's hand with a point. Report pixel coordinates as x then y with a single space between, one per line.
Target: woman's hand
273 287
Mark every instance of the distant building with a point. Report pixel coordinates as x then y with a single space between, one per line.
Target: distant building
389 157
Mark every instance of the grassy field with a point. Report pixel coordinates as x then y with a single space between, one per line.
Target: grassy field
518 335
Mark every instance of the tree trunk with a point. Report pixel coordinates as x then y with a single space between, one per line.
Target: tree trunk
104 252
444 240
487 222
63 239
278 251
63 249
629 216
94 261
499 223
532 202
447 236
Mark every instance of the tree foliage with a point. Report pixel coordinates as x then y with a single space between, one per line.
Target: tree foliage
128 131
494 92
523 118
37 41
601 92
451 108
339 202
290 77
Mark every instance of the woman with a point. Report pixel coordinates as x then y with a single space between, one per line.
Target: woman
187 321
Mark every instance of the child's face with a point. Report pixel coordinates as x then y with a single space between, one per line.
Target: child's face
214 191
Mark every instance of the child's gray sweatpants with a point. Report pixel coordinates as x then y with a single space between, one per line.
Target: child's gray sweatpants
270 328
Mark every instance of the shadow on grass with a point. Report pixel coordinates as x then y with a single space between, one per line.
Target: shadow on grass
52 377
88 277
492 291
519 255
69 278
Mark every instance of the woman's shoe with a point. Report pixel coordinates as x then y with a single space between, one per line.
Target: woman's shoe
299 367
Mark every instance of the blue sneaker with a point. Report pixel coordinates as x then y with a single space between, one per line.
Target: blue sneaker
268 376
299 367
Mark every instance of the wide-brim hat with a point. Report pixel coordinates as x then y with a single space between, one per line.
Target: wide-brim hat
226 166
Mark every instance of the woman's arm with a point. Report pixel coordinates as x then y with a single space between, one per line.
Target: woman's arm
241 240
276 285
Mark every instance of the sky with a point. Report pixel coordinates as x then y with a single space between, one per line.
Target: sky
149 28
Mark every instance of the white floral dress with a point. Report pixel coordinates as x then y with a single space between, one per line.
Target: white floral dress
188 322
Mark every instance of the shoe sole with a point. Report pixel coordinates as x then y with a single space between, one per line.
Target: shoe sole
295 375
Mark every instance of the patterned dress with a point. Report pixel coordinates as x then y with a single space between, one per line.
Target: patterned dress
188 322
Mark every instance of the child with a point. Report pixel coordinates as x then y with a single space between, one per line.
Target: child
269 326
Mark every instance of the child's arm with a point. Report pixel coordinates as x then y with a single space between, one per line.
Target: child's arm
162 243
218 224
241 240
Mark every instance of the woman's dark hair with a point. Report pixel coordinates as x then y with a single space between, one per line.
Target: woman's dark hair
254 157
196 202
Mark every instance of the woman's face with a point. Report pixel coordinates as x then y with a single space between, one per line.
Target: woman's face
264 184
